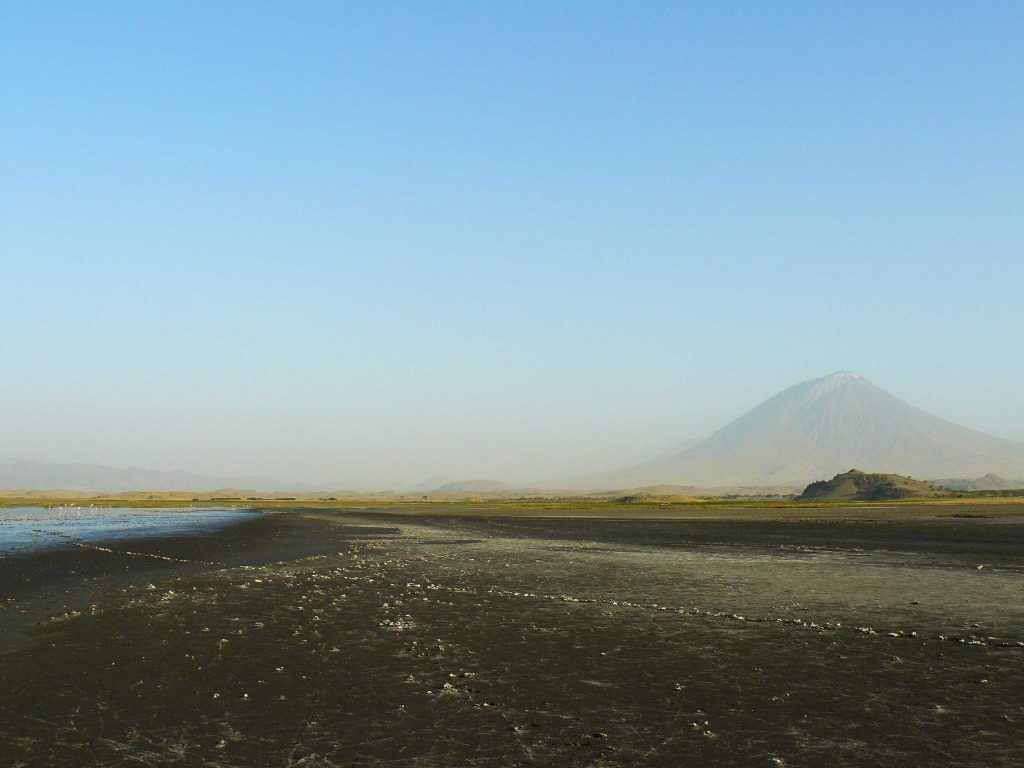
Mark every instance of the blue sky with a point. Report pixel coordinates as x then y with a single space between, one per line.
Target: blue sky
375 242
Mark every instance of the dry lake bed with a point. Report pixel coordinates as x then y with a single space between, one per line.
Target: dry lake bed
359 638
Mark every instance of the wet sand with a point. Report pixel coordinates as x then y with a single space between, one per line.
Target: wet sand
333 638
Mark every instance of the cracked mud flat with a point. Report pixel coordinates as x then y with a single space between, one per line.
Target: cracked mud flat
358 640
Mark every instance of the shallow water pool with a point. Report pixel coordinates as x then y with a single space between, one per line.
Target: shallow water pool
25 530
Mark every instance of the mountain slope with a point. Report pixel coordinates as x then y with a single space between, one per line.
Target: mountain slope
433 483
821 427
473 486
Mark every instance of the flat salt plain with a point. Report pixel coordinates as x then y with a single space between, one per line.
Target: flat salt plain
331 638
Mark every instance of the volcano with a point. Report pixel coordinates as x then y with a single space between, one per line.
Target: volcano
821 427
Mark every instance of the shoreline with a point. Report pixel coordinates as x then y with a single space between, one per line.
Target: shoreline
35 585
514 505
322 638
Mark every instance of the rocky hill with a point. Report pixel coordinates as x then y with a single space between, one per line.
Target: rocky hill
855 485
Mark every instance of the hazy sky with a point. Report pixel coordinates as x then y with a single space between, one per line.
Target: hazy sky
374 242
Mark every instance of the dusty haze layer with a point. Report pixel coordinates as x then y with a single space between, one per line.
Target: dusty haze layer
808 432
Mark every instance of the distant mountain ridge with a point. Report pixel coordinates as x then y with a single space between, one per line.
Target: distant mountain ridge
473 486
20 474
990 482
822 427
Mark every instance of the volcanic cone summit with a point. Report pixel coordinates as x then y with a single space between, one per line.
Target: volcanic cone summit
824 426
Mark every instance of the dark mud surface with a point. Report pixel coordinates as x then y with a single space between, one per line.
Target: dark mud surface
359 640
